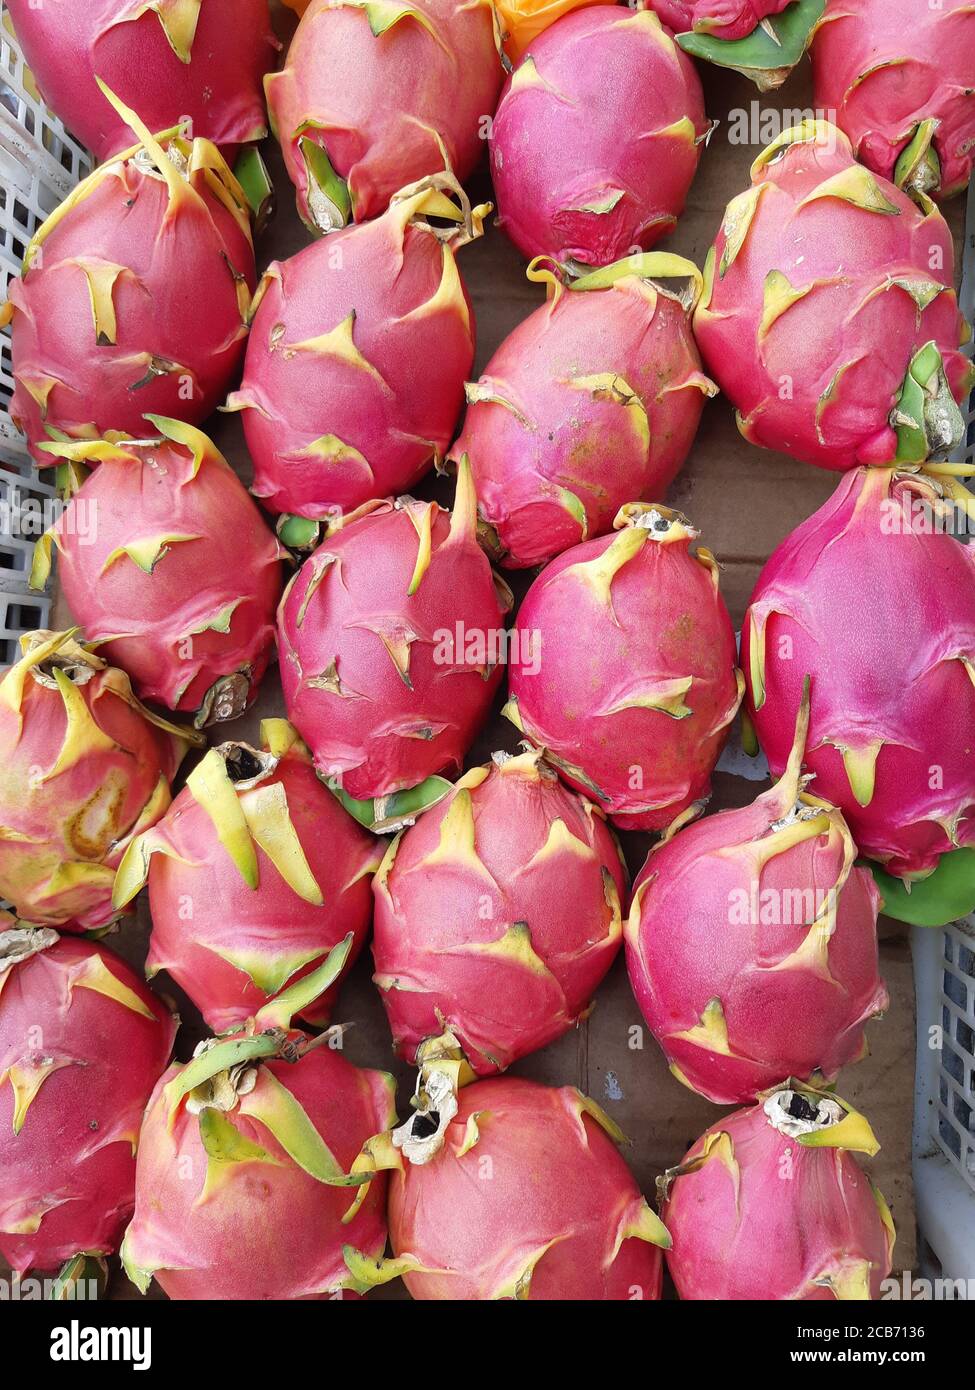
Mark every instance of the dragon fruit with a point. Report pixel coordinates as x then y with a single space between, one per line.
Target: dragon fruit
175 60
764 39
391 636
522 21
594 399
636 714
593 160
254 874
770 1204
250 1140
898 77
891 727
828 315
169 567
497 914
374 96
82 1043
355 369
134 295
725 19
752 943
84 768
510 1190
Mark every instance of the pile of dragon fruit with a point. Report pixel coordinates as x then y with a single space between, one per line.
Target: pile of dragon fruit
494 897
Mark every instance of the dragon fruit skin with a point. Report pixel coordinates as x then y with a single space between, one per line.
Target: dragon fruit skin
206 1229
527 1197
180 579
523 20
723 19
497 914
896 73
387 636
354 375
752 943
890 733
133 297
770 1207
172 61
82 1043
251 893
368 102
819 294
593 400
85 768
636 716
638 116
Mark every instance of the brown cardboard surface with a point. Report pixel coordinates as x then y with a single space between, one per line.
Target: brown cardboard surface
744 501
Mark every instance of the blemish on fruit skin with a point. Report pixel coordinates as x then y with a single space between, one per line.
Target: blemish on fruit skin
91 831
612 1087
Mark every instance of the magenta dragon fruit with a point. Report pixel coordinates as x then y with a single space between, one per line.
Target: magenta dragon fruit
592 160
561 1217
770 1204
169 567
84 768
133 296
255 873
634 714
250 1142
174 60
892 716
497 914
828 316
725 19
82 1043
391 637
359 349
898 78
374 96
593 400
752 943
764 39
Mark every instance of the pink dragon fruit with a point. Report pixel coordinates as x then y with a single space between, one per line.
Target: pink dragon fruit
355 370
623 668
892 717
254 874
898 77
828 297
497 914
752 943
770 1204
391 636
764 39
84 768
82 1043
249 1141
724 19
594 399
134 295
169 567
592 160
510 1190
375 96
175 60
